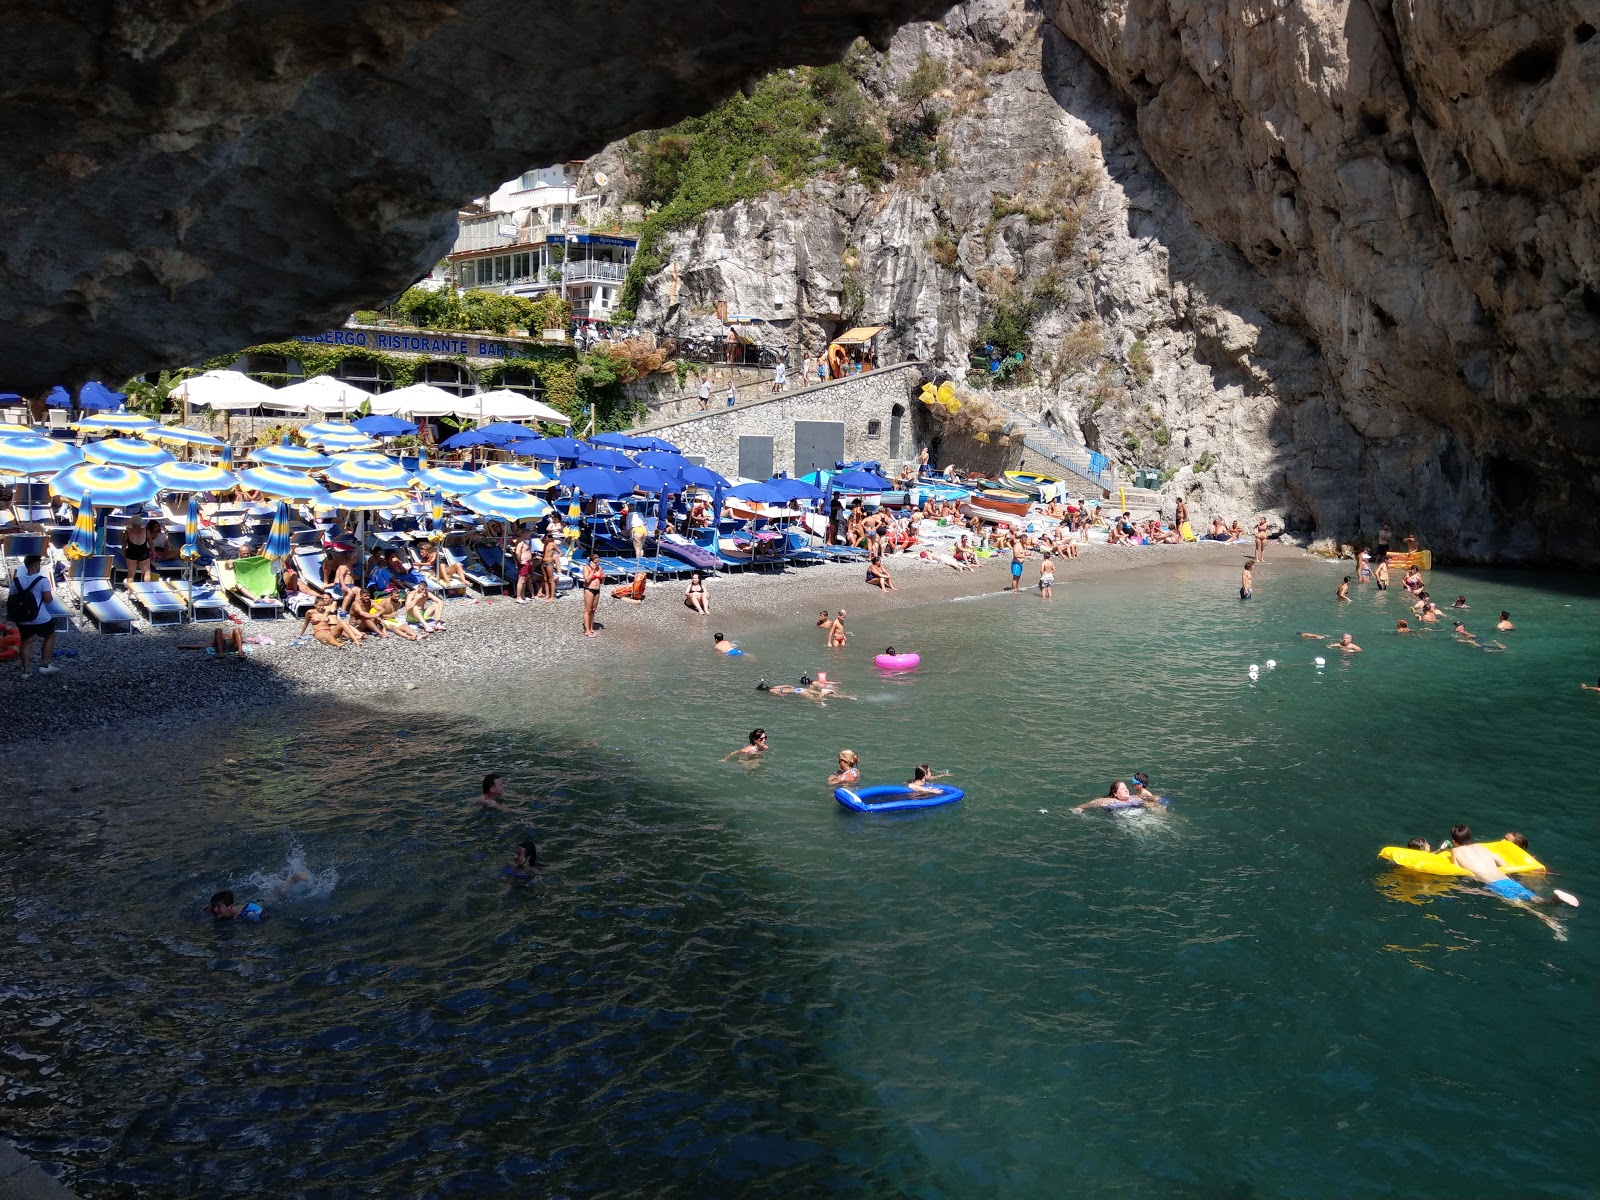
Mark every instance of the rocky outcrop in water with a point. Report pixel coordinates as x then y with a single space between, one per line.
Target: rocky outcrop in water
1332 261
186 177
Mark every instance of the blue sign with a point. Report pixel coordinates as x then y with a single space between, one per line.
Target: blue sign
416 343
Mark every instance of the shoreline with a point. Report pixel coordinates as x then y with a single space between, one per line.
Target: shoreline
143 682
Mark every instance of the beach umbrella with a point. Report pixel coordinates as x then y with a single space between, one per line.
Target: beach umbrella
332 428
436 514
618 441
179 436
12 429
115 422
323 393
226 391
551 448
859 481
367 470
299 458
59 397
703 477
467 437
650 479
515 475
647 442
95 396
381 425
279 539
502 404
342 443
757 493
282 484
82 543
596 481
360 499
191 530
192 477
590 457
111 485
225 458
795 489
453 480
504 432
37 455
126 452
506 504
662 460
423 400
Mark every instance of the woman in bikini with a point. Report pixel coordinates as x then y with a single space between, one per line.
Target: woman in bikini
593 575
136 551
443 569
694 596
327 626
849 772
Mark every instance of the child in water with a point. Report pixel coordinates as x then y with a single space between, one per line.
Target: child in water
223 907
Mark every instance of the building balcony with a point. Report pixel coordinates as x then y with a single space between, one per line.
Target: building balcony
594 271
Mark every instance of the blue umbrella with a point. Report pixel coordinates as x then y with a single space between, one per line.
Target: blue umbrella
507 431
605 458
126 452
506 504
279 540
468 437
113 486
646 442
859 481
82 543
299 458
795 489
37 455
650 479
454 480
59 397
662 460
596 481
550 448
226 462
95 396
380 425
757 493
282 483
702 477
618 441
191 530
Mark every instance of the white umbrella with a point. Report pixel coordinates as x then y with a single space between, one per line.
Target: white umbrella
506 405
223 391
423 400
325 394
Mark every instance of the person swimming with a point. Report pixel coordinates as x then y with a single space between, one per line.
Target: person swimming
1486 866
1419 844
849 772
1119 795
724 646
756 748
1345 644
524 864
223 907
921 781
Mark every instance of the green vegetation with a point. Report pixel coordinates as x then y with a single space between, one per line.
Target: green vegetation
1139 365
1080 347
1130 441
1008 327
1162 436
1205 462
944 250
446 308
926 78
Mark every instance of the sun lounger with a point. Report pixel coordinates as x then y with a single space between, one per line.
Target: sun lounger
436 586
250 584
159 606
208 603
484 585
499 564
91 578
800 549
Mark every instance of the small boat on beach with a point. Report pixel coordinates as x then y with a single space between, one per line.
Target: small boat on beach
1036 486
1003 500
894 797
993 516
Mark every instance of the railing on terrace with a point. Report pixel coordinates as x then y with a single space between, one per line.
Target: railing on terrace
584 270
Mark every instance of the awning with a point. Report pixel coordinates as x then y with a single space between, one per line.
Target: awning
854 337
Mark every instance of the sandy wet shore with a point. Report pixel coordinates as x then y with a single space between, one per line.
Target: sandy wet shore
141 683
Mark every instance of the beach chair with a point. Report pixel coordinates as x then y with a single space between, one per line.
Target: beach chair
91 579
436 586
252 586
308 561
800 548
160 607
483 584
208 603
498 564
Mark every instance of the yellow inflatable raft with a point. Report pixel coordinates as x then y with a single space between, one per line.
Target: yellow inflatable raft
1439 862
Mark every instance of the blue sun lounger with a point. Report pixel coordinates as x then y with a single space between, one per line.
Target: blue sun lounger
91 578
484 585
208 603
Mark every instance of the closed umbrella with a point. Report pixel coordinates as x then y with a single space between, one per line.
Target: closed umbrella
116 422
82 543
299 458
601 457
436 514
506 504
112 486
192 477
279 539
453 480
282 484
190 551
367 470
178 436
596 481
225 460
37 455
126 452
381 425
516 475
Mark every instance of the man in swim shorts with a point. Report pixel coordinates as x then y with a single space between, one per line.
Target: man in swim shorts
724 646
1016 566
223 907
1485 865
1246 581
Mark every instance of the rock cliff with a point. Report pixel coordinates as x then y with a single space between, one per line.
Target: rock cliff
1335 261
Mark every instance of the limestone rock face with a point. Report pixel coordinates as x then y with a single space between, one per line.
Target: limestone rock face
1418 181
184 177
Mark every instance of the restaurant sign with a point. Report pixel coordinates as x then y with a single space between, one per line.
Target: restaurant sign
445 344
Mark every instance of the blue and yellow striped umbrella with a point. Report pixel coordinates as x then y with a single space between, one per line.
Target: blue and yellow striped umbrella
37 455
193 477
12 429
436 515
282 484
126 452
112 486
279 539
506 504
339 444
225 460
180 437
368 470
360 499
82 543
515 475
453 481
191 530
120 422
298 458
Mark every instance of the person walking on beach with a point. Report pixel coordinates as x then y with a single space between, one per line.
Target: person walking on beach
633 522
1261 539
25 608
733 395
705 393
493 788
593 576
1246 581
1047 577
756 748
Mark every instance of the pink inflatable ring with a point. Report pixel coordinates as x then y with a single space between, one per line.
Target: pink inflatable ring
897 662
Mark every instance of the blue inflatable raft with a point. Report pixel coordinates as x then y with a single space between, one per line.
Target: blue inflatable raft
893 797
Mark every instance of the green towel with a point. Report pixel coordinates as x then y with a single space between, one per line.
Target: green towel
255 577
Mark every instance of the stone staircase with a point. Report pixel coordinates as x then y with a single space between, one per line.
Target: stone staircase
1071 459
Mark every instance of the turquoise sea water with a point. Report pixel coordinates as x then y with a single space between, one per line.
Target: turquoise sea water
725 985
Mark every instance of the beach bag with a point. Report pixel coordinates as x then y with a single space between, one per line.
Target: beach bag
22 605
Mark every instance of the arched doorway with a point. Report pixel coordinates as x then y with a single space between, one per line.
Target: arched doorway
518 379
896 414
449 377
364 373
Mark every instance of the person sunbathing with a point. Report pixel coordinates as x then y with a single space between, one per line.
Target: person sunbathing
445 570
327 626
423 608
363 614
633 592
390 610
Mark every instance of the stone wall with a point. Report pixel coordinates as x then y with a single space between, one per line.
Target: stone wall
855 401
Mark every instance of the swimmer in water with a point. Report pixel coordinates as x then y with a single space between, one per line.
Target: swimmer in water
724 646
1463 634
1504 625
756 748
524 862
1400 626
836 634
1485 866
849 772
1346 645
1119 796
1591 687
1461 602
823 619
1342 592
922 779
493 788
222 906
779 689
1246 582
1419 844
1315 636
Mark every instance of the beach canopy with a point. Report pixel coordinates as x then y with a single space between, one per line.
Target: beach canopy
547 448
37 455
601 457
453 481
618 441
515 475
381 425
225 391
703 477
299 458
126 452
503 404
179 436
859 481
59 397
367 470
506 504
192 477
468 437
596 481
757 493
320 393
795 489
858 336
359 499
282 484
117 422
662 460
423 400
505 432
652 479
111 486
95 396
